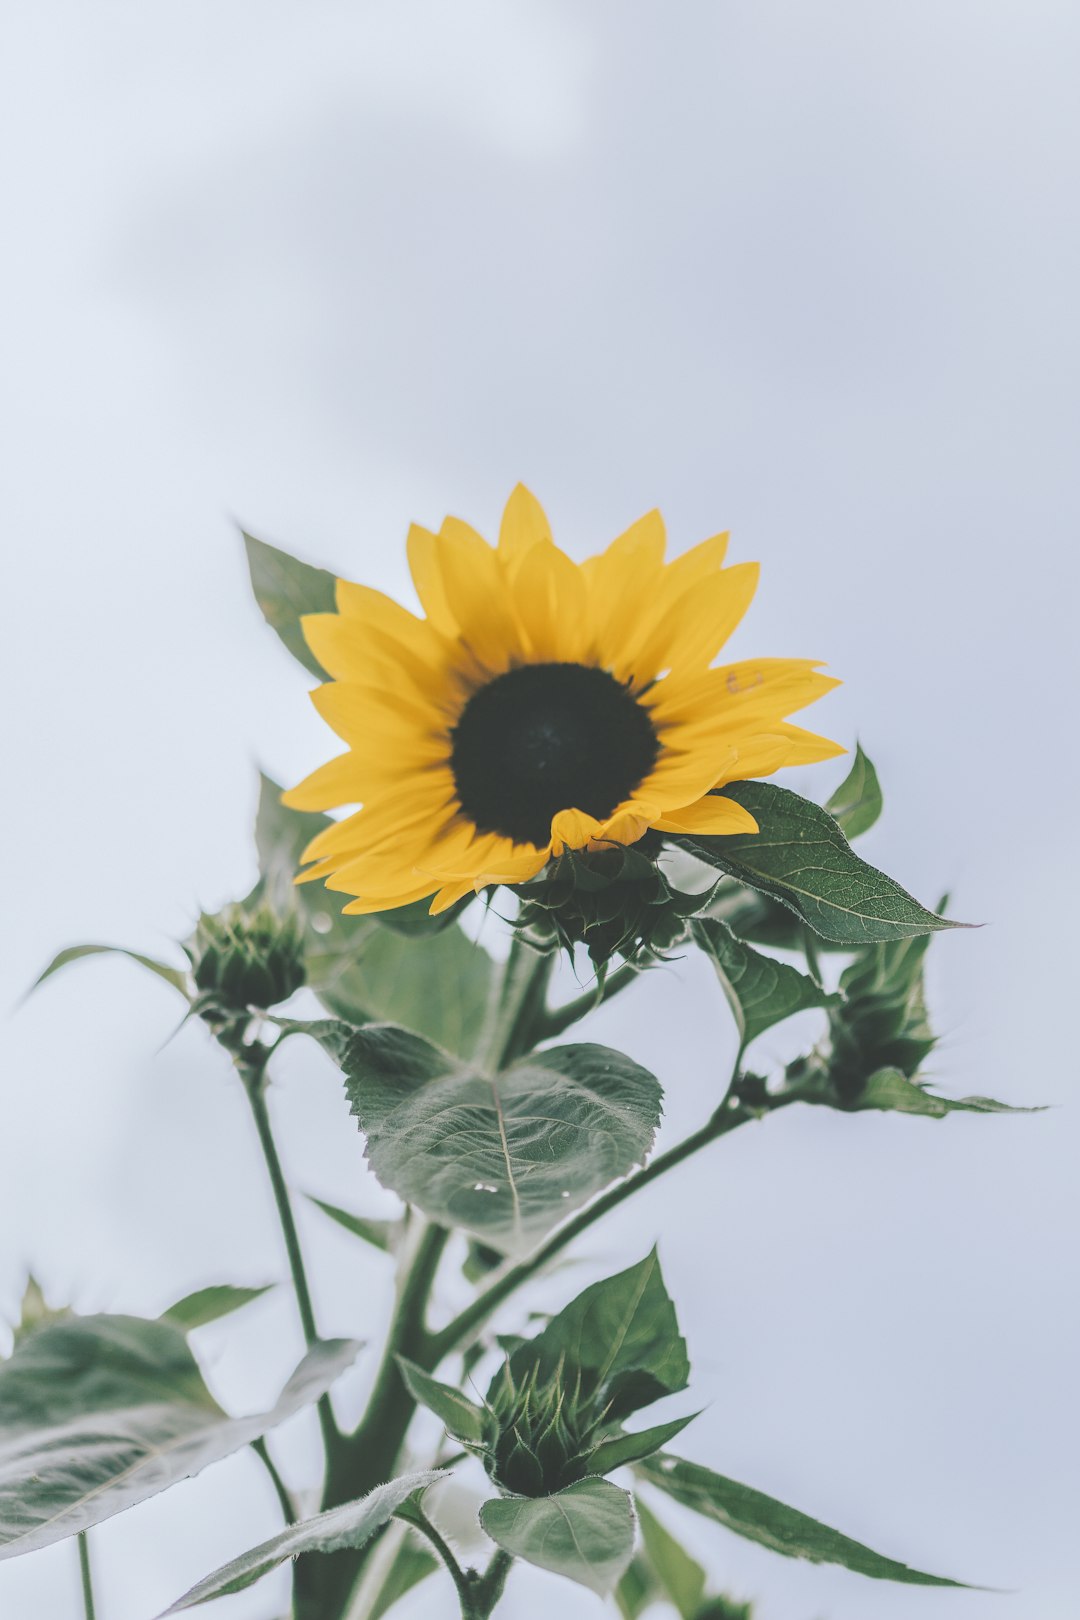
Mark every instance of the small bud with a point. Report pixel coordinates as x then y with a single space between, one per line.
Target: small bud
246 956
615 901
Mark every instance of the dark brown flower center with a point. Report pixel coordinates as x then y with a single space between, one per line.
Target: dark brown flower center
544 738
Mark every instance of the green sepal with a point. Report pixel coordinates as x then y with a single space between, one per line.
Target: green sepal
771 1524
210 1305
176 977
800 857
621 1335
760 990
622 1449
461 1418
384 1235
857 802
285 589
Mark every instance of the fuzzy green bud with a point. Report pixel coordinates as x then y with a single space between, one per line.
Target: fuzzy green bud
246 956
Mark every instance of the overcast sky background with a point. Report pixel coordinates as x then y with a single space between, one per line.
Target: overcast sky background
805 271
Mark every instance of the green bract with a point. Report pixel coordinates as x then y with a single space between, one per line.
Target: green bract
247 956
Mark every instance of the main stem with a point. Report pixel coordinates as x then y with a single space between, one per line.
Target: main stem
368 1457
86 1575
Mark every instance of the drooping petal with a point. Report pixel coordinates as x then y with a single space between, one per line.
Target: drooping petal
713 815
330 785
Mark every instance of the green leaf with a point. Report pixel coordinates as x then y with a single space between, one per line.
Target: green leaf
637 1590
585 1532
801 858
380 1234
621 1334
437 982
630 1448
681 1577
100 1412
782 1529
74 953
413 1562
760 990
461 1417
350 1526
856 804
209 1304
505 1157
892 1090
285 590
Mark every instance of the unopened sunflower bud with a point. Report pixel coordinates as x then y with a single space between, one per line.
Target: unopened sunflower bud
246 956
615 901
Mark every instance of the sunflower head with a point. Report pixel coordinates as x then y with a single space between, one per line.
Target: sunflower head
539 707
246 955
614 901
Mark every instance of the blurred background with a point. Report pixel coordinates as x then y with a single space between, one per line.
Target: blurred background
807 272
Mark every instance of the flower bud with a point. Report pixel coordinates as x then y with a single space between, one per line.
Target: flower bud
246 956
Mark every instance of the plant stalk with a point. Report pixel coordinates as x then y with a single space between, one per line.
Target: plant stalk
253 1074
86 1575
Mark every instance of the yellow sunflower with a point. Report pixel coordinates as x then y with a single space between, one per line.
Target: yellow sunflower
539 705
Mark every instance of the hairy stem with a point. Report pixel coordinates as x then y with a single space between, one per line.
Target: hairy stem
281 1490
464 1327
557 1019
418 1519
253 1074
87 1576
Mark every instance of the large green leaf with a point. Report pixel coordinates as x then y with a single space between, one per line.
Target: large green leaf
760 990
856 804
762 1519
350 1526
462 1418
100 1412
210 1304
681 1577
504 1156
621 1334
585 1532
74 953
437 982
800 857
285 590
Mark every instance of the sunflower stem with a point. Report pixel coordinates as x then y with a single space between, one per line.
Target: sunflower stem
281 1490
86 1575
516 1015
251 1065
462 1330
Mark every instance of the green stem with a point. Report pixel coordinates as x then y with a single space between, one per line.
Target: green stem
87 1576
557 1019
489 1589
515 1020
464 1327
281 1490
253 1073
418 1519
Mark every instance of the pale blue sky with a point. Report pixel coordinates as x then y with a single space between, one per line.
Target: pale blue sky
807 272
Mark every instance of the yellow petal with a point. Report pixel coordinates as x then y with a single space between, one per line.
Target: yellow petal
572 829
381 612
628 823
679 779
523 525
691 634
423 552
362 718
551 604
806 747
478 597
365 907
713 814
335 783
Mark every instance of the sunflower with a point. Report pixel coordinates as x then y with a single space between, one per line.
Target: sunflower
539 705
